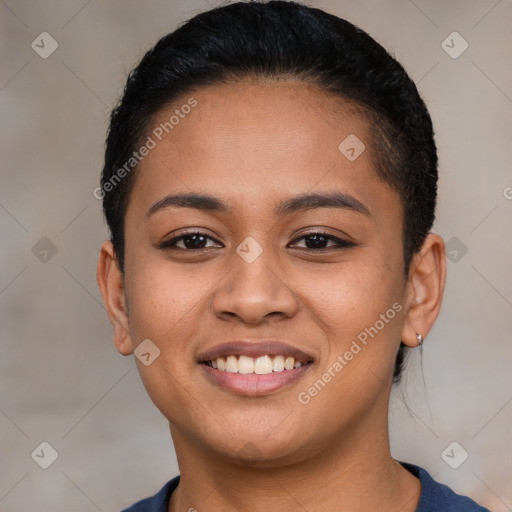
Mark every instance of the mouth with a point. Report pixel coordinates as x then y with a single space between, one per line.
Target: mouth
254 368
262 365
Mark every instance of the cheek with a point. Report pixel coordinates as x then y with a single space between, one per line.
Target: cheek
353 296
163 300
169 302
360 312
165 307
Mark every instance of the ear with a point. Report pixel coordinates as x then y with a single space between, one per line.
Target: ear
425 288
111 283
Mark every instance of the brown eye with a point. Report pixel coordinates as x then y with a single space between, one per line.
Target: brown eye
318 241
196 240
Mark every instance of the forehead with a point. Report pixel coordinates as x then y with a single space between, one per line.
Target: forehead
285 115
254 140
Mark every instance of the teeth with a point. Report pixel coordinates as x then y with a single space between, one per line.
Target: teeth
288 364
263 365
278 365
232 364
259 365
246 364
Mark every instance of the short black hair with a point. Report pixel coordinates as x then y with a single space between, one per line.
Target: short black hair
274 40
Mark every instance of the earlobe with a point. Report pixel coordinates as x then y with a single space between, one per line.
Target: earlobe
425 290
111 284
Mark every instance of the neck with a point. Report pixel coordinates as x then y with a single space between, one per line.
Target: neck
355 474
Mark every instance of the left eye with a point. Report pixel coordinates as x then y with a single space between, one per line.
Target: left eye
318 240
199 240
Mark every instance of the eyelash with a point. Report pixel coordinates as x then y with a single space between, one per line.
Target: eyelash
341 244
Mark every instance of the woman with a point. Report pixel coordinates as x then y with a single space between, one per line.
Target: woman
270 185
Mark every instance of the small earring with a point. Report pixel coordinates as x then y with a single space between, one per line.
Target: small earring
419 337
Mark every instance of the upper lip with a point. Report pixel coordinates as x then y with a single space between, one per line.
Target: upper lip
254 348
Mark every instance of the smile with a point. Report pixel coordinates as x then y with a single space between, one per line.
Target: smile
255 365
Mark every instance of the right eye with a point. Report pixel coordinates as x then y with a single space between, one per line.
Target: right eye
192 240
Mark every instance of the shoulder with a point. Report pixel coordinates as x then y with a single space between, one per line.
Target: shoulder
436 496
157 503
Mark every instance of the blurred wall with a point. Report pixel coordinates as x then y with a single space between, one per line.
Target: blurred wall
61 380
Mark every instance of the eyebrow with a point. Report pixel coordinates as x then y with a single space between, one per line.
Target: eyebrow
302 202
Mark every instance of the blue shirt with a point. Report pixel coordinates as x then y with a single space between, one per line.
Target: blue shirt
435 497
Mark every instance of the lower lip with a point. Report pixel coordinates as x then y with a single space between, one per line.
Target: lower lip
252 384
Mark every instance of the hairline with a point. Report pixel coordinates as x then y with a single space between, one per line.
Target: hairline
372 119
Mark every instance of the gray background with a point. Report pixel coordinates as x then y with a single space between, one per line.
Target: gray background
62 381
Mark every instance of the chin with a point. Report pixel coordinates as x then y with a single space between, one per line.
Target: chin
258 448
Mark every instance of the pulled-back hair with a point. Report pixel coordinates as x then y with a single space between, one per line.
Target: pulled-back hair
271 41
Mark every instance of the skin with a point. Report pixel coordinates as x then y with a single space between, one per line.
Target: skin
253 145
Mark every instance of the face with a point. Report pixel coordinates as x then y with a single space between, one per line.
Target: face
261 265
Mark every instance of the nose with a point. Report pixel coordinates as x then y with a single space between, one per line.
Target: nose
253 292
